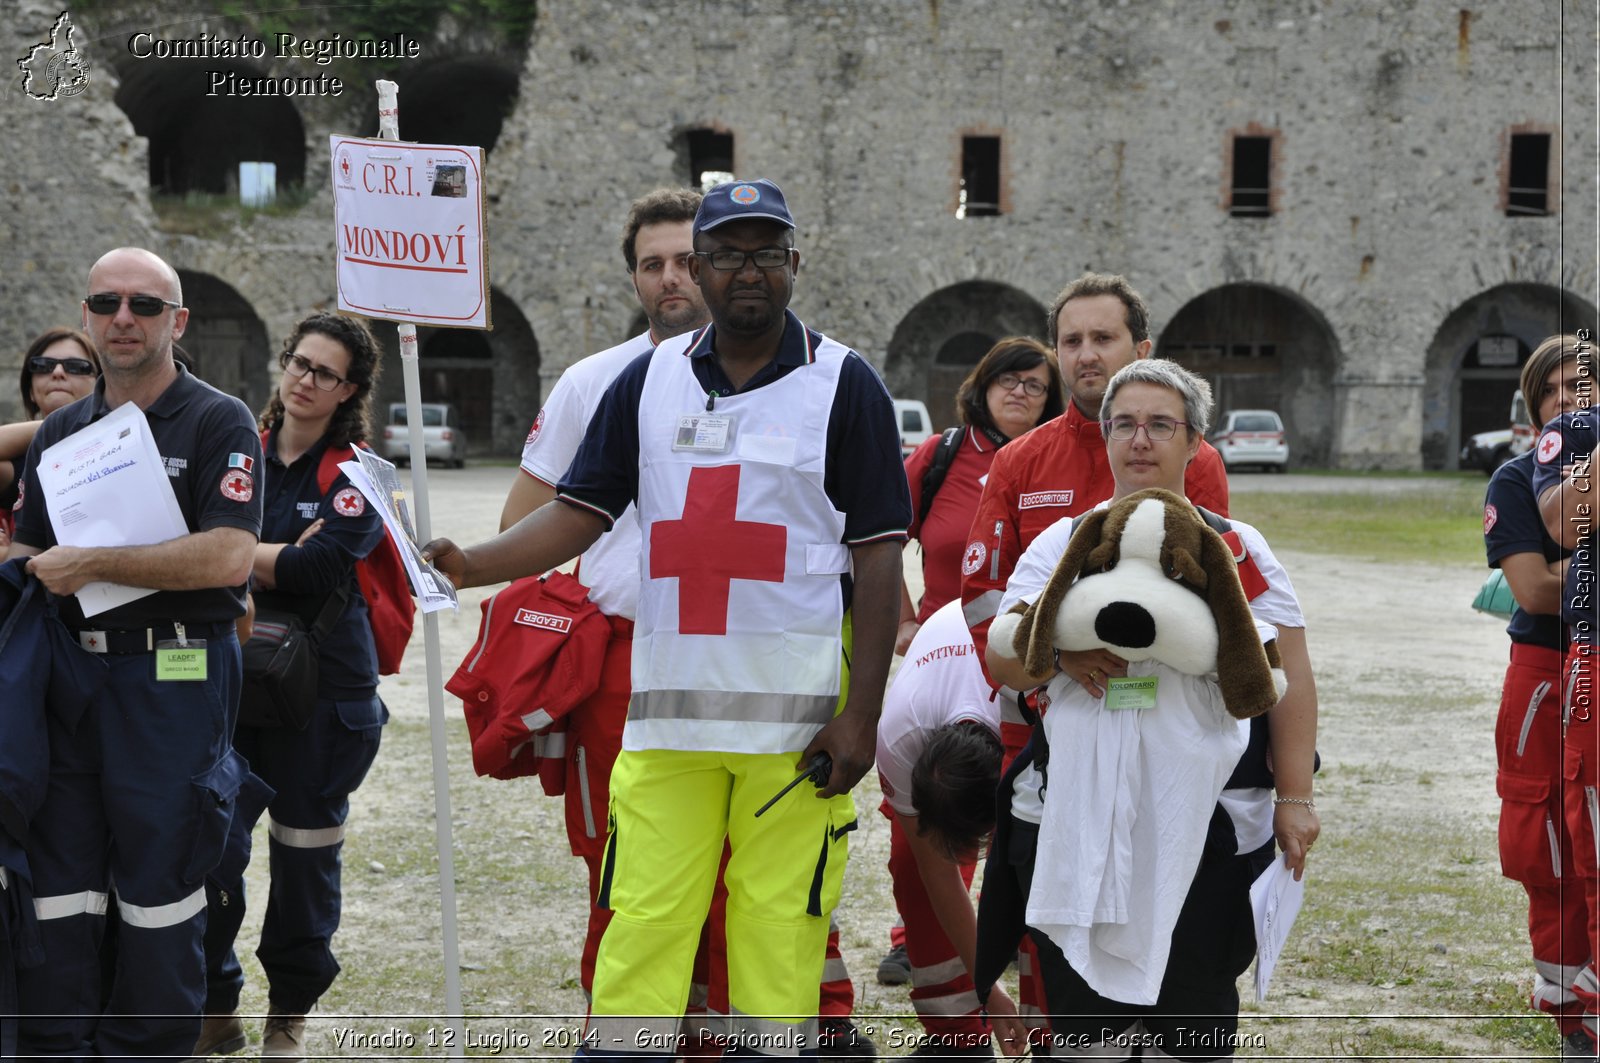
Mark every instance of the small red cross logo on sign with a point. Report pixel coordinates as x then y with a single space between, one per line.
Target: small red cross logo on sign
709 547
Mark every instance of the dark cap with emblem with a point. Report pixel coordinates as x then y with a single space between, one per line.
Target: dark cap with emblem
739 200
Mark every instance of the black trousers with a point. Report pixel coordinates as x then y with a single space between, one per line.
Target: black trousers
1196 1015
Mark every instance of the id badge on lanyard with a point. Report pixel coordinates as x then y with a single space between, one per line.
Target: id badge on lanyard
704 433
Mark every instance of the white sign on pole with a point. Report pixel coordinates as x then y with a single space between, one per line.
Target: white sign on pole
408 221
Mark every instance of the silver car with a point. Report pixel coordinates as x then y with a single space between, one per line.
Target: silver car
441 429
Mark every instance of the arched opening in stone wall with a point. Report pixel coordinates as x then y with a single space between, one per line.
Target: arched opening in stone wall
198 141
226 341
462 99
940 339
492 378
1262 348
1477 356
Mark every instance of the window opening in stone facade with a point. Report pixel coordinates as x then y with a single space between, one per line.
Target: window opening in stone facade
1252 177
1528 190
980 177
710 157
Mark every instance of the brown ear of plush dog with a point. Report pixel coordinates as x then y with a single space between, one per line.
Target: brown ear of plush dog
1243 671
1032 643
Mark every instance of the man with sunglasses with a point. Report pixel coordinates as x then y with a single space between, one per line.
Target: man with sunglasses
142 788
764 461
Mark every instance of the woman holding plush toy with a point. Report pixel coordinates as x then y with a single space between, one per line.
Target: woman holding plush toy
1149 631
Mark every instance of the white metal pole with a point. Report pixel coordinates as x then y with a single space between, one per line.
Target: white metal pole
389 129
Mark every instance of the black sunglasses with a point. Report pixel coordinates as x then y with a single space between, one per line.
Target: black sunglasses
106 303
71 366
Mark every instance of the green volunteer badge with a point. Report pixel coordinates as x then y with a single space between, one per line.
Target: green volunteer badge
181 663
1133 692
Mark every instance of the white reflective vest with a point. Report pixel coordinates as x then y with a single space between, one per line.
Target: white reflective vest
736 643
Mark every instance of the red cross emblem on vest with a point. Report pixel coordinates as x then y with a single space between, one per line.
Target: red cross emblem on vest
709 547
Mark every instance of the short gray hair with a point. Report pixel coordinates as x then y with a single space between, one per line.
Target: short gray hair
1195 391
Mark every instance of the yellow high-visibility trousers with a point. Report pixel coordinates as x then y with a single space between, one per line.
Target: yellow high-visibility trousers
671 811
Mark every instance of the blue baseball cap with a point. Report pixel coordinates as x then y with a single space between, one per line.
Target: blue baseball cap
1563 442
737 200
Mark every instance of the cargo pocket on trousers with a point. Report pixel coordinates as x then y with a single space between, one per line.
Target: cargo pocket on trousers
215 793
828 881
352 745
1530 848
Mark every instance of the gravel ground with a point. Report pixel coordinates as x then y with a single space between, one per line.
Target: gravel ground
1408 680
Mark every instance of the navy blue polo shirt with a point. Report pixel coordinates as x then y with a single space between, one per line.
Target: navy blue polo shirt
864 477
1512 525
1569 440
306 575
197 431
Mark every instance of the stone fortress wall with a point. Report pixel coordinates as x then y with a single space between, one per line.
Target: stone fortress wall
1356 306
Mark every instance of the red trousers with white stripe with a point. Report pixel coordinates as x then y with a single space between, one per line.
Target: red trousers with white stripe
1581 777
942 992
1535 847
593 741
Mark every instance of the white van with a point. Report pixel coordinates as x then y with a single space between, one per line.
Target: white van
915 424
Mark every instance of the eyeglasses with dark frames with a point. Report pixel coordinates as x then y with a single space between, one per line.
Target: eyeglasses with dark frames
42 366
765 258
1009 381
107 303
1158 429
296 366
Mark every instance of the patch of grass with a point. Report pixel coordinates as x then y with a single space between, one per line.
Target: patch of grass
207 213
1442 525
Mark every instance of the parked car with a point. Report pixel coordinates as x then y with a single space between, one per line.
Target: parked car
1490 450
441 429
1252 437
915 424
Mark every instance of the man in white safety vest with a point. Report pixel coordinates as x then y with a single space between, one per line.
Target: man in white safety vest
763 459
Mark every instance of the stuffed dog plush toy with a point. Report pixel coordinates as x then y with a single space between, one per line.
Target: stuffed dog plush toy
1149 579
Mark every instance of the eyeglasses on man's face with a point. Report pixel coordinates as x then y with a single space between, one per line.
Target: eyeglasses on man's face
108 303
765 258
42 366
1009 382
296 366
1159 429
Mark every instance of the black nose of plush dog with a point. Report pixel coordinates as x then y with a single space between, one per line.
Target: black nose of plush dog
1125 624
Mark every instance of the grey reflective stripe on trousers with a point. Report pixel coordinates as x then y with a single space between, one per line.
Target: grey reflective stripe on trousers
66 905
156 916
732 705
768 1037
304 838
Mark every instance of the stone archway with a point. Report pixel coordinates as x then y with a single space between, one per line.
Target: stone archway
198 141
941 338
1262 348
491 377
1476 357
226 341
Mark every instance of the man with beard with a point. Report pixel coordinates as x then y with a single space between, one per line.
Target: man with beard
656 245
764 461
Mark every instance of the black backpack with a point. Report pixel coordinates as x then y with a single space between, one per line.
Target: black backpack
932 479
